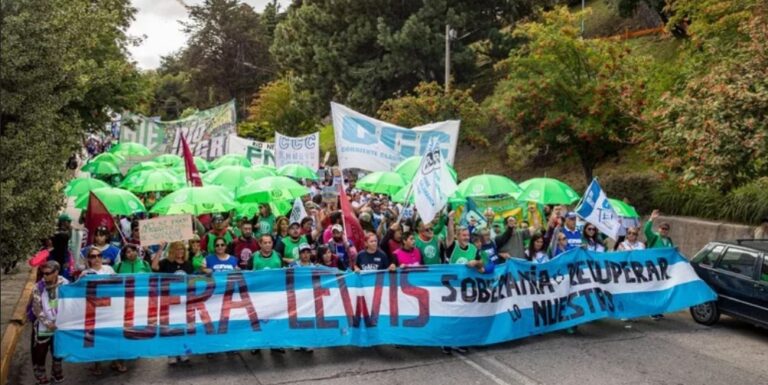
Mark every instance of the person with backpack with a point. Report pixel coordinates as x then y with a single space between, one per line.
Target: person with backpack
43 311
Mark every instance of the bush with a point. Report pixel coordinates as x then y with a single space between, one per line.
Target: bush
748 203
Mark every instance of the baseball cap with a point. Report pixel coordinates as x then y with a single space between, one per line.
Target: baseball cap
570 215
337 227
65 218
304 247
294 223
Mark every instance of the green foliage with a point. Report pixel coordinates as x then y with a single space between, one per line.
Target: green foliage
278 107
361 52
713 24
564 93
429 103
63 64
637 188
716 132
748 203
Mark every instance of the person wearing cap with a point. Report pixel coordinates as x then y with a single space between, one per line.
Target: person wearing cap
219 230
305 257
289 247
335 219
64 223
244 246
45 302
344 250
110 253
572 234
654 239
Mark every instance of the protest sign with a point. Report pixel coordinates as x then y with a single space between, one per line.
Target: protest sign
369 144
330 194
165 229
153 315
302 150
259 153
432 184
596 209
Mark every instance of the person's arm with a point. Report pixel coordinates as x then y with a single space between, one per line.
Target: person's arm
156 262
451 236
384 243
650 235
390 264
502 239
204 267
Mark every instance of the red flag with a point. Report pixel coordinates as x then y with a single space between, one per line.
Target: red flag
352 226
97 216
193 176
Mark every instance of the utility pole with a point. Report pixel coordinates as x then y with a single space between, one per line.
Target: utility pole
447 59
582 18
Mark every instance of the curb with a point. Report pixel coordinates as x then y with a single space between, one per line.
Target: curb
15 327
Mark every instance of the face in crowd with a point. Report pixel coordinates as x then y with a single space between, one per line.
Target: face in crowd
265 244
632 234
372 243
463 236
50 274
426 231
247 230
220 246
294 230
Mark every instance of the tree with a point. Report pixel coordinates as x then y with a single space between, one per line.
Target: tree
227 53
278 107
429 103
715 133
565 94
362 52
63 66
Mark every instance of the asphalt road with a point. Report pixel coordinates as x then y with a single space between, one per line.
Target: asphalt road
672 351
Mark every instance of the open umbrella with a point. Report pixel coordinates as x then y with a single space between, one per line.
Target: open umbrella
130 149
487 185
148 165
381 182
233 177
196 200
109 157
400 195
79 186
271 189
623 209
153 180
116 200
202 165
407 168
297 171
231 160
547 191
101 168
168 159
250 209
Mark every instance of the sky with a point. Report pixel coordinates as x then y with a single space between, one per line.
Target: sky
158 21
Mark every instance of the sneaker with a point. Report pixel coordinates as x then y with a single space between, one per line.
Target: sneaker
184 359
446 350
657 317
461 349
172 361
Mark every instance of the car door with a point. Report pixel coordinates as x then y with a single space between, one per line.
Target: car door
760 293
734 279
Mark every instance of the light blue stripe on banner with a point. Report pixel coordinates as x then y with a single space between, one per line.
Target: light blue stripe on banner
275 280
110 343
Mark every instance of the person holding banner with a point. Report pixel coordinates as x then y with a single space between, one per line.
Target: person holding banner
407 255
326 258
632 242
266 258
289 247
305 257
536 252
45 302
592 240
176 263
372 258
220 260
95 263
130 263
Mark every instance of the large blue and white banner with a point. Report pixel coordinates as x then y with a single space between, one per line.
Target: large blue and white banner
370 144
432 184
597 210
147 315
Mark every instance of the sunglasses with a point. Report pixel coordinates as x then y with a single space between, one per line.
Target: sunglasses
590 229
632 233
94 255
49 272
221 244
664 228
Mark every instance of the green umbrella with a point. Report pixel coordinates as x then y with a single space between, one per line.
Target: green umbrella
202 166
623 209
109 157
266 168
250 209
169 159
399 196
196 201
116 200
153 180
101 168
148 165
233 177
407 168
547 191
130 149
231 160
487 185
271 189
382 182
297 171
79 186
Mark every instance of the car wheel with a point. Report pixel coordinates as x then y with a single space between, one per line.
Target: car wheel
706 313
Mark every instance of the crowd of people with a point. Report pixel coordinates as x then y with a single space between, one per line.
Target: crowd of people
226 242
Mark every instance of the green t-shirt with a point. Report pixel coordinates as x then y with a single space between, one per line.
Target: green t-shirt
133 267
462 257
430 251
271 262
197 263
266 225
291 249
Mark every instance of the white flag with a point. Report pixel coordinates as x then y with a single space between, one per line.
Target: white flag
298 212
596 209
433 184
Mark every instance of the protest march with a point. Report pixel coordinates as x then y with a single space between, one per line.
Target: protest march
208 243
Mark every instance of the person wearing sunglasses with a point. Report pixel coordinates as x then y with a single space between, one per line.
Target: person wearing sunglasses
110 253
657 239
592 240
220 260
45 300
95 263
631 242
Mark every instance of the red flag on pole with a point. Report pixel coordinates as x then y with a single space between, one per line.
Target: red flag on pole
97 216
352 226
193 176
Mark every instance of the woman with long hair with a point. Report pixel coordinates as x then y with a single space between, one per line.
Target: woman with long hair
536 252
